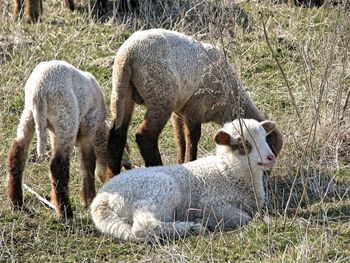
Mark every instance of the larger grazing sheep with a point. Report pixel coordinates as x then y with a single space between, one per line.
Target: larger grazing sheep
171 72
222 191
70 103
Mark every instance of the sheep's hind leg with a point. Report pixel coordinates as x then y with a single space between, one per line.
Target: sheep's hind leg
178 125
59 169
116 143
117 139
87 167
17 159
148 133
101 153
59 174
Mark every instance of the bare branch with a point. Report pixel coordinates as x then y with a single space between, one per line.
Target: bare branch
281 69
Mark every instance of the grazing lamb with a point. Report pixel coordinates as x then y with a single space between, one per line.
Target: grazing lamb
70 103
223 191
34 8
171 72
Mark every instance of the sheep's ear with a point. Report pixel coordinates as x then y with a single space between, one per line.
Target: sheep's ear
222 138
269 126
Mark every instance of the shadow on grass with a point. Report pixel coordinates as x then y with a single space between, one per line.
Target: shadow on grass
315 195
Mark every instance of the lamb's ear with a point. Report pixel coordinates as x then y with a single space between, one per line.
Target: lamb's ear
222 138
269 126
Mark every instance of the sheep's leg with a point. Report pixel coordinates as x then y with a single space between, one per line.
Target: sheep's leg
33 10
179 137
70 4
102 7
180 229
148 133
18 8
59 171
226 217
117 135
152 229
116 143
87 167
192 134
17 159
63 134
117 140
101 153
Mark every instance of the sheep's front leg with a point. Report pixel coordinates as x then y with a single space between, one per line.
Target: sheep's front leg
178 125
101 7
181 229
101 153
225 216
87 167
148 133
148 227
192 134
59 171
167 231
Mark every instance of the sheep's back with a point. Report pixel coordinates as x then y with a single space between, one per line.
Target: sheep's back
164 62
66 88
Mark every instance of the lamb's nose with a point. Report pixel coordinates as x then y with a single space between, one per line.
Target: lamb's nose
271 157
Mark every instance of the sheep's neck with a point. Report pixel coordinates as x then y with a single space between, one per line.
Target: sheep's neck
244 107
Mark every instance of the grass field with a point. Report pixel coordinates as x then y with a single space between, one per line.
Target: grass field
307 218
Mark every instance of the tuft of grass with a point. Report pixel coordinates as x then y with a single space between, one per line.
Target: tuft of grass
307 214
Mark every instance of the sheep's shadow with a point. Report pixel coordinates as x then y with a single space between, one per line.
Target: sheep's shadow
169 13
314 195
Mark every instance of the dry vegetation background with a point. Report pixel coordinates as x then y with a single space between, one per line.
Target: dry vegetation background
301 80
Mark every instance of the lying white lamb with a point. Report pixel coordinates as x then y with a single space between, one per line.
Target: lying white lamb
70 103
224 190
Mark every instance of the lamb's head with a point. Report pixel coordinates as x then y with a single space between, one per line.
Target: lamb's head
244 138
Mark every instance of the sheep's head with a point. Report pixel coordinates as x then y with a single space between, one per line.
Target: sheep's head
247 137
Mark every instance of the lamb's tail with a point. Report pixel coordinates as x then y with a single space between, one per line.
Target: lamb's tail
121 88
40 120
107 220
